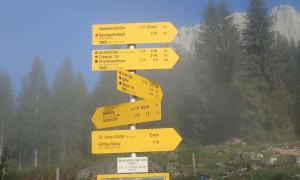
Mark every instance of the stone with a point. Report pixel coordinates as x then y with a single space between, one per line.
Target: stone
272 161
297 161
219 165
255 167
237 142
259 155
249 155
296 176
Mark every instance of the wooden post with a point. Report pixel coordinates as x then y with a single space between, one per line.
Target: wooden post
57 174
20 158
35 157
194 164
49 164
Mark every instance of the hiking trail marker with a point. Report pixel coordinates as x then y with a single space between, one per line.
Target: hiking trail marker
137 85
132 164
139 140
135 111
156 176
133 33
127 113
145 58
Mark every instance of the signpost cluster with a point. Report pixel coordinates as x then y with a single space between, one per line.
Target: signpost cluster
125 62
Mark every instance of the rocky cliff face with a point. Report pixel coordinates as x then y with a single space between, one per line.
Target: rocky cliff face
186 37
287 23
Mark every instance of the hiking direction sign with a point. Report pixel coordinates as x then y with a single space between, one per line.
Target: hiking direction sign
139 140
137 85
133 33
136 111
127 113
144 58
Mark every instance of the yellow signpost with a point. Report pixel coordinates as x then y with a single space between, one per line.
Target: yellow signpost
156 176
137 85
132 112
127 113
140 140
144 58
133 33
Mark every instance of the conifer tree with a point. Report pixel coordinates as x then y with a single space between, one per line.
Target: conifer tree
6 110
105 92
261 79
218 49
281 100
63 99
254 73
80 125
296 88
33 111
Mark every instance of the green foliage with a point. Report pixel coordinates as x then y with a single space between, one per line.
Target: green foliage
4 163
70 104
295 86
270 173
263 79
6 109
32 108
258 36
6 96
105 92
215 99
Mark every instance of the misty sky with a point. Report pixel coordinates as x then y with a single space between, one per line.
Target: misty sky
55 30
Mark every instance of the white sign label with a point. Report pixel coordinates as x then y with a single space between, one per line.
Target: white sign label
132 164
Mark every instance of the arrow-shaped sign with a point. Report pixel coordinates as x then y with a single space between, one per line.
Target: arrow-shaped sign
127 113
133 33
141 140
137 85
144 58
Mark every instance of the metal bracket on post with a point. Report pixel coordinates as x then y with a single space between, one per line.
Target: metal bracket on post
132 98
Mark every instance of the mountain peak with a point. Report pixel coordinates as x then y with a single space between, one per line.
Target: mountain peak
287 22
186 37
286 19
284 9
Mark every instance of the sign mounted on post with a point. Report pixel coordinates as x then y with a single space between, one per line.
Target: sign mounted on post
132 164
144 58
127 113
139 140
137 85
143 176
133 33
132 112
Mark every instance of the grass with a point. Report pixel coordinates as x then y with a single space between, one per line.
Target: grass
228 157
217 161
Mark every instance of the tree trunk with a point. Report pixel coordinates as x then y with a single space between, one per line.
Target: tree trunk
49 163
57 174
62 153
20 159
1 143
35 157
